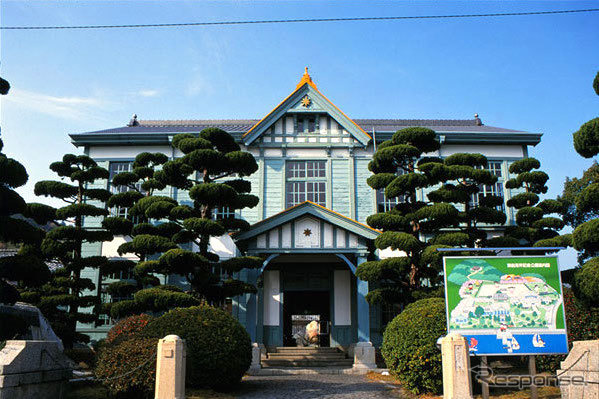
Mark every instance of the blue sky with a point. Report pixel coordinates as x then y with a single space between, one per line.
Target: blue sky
532 73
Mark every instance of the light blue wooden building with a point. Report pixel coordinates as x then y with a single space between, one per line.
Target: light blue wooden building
314 200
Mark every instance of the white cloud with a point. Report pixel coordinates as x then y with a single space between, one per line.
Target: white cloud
148 93
74 108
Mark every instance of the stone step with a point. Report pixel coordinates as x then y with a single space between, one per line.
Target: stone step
307 363
305 349
281 356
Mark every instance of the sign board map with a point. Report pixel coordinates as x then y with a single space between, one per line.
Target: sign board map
506 305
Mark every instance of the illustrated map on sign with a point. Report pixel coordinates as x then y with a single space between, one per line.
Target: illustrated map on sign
506 305
492 299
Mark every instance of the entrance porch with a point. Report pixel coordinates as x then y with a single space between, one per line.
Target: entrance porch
311 255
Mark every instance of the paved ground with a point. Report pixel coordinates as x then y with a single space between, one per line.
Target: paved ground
314 386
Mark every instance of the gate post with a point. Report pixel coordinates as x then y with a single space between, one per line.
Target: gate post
457 383
170 368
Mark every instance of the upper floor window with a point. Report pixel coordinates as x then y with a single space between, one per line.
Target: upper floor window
306 181
223 212
306 124
491 189
114 169
384 204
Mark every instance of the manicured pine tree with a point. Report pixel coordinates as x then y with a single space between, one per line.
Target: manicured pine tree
463 175
535 226
399 169
212 169
63 298
585 237
147 224
25 270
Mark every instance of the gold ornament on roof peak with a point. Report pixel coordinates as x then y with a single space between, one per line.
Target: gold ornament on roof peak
306 78
306 101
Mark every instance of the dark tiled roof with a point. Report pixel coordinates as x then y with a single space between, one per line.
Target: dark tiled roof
243 125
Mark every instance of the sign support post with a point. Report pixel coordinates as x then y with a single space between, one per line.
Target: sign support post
484 384
532 370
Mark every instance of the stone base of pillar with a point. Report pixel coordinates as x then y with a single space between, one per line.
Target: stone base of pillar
256 359
364 356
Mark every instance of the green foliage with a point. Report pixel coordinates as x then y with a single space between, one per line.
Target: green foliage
409 346
586 237
128 368
62 297
586 282
26 270
12 326
586 139
218 347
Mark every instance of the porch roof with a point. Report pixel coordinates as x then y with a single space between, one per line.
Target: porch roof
304 209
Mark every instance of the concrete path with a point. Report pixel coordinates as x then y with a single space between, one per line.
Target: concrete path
314 386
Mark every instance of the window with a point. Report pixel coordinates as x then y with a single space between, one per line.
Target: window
223 212
114 169
384 204
493 189
306 124
305 182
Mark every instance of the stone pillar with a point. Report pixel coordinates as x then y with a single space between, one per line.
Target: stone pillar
363 307
364 352
256 359
579 374
457 383
364 356
33 369
170 368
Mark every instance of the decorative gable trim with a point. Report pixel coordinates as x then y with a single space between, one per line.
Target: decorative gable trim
306 87
300 212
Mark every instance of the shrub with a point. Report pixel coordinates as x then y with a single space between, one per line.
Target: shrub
128 327
12 326
410 349
582 323
218 347
128 369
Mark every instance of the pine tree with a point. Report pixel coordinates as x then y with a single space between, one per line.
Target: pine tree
463 175
63 298
151 232
398 168
212 169
534 225
585 237
25 269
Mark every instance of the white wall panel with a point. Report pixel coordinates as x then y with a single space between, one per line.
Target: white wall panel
272 297
342 288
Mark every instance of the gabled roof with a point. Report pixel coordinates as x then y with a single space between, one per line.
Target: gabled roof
308 208
306 87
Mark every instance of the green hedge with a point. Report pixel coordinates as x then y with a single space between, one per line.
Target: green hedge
410 345
218 347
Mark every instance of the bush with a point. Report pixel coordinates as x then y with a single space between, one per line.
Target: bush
582 323
218 347
410 345
128 327
12 326
128 369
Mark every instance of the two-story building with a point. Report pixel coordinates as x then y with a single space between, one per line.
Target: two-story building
310 223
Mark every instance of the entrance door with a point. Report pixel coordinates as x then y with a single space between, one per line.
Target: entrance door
305 303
